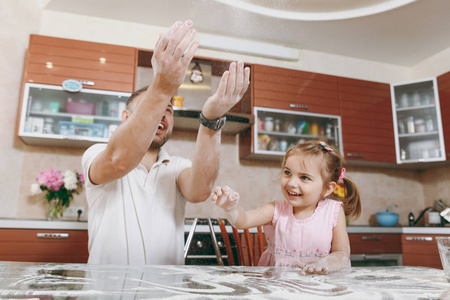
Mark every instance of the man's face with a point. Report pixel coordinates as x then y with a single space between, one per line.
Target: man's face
165 126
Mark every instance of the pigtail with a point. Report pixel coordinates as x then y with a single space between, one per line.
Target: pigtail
352 200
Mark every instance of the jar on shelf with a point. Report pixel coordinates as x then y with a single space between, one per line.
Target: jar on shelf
429 125
277 126
410 124
283 145
419 125
268 124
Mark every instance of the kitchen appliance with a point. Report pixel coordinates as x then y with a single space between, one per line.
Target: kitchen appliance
200 246
374 260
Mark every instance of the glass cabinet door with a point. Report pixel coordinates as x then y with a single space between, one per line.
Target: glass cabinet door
53 116
417 121
276 130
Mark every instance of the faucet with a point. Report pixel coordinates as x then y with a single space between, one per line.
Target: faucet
413 222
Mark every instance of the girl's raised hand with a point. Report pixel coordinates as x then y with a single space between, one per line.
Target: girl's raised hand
225 197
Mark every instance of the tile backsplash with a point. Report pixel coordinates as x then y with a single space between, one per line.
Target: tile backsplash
257 181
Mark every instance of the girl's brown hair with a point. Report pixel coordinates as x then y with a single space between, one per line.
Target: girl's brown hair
331 171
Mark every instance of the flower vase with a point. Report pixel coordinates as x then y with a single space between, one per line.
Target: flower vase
55 209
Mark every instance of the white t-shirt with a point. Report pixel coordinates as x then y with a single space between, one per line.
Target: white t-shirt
139 218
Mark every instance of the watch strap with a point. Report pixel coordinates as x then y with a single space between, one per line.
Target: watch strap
214 125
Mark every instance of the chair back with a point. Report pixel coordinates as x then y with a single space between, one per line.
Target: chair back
252 258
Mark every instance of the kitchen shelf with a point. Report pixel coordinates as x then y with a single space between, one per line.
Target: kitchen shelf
276 130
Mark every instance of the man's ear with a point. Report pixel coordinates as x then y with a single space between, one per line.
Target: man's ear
125 114
330 189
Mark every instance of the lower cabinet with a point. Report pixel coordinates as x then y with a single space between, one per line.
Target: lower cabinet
375 249
420 250
44 245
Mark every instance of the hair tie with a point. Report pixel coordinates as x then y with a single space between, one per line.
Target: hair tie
342 173
326 147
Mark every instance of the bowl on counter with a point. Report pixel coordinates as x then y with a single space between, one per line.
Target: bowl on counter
387 218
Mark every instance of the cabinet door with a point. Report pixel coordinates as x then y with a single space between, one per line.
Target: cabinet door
417 121
375 243
98 66
44 245
367 126
294 90
420 250
443 83
52 116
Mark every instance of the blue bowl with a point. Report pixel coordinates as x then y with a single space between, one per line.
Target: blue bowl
387 218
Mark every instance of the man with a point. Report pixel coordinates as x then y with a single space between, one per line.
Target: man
136 192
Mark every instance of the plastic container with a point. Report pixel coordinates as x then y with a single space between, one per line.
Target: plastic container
82 108
387 219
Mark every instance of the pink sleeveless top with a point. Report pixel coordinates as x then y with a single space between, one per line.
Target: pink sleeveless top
290 240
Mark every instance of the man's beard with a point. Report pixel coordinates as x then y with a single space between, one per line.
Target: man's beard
156 145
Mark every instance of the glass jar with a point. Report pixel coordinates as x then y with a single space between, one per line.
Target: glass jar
268 124
410 124
419 125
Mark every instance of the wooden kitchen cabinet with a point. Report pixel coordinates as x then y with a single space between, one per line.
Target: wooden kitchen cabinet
420 250
100 66
295 90
367 125
297 99
44 245
375 243
443 83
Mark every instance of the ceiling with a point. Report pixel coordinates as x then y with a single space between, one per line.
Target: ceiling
399 32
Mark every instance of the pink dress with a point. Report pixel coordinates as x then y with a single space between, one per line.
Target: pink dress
290 240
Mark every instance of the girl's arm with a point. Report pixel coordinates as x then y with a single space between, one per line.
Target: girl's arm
228 199
340 251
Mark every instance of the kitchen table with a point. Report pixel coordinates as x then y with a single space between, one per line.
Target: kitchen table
81 281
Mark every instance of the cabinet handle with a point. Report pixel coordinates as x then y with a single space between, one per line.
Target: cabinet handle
371 238
301 106
355 155
419 238
87 82
41 235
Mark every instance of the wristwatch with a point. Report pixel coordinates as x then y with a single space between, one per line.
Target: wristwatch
214 125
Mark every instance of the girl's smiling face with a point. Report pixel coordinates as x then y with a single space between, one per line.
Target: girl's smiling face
301 182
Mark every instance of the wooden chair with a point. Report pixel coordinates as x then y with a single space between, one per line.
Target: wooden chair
252 259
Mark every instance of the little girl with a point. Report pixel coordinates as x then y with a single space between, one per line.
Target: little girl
305 229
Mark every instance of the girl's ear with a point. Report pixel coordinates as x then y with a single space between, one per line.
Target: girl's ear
331 187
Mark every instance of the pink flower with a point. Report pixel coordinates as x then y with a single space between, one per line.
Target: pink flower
81 177
51 178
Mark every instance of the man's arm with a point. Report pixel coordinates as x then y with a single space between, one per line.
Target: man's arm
129 143
196 183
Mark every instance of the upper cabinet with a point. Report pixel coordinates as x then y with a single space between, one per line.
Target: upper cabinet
53 116
417 121
294 90
443 82
97 66
290 106
367 126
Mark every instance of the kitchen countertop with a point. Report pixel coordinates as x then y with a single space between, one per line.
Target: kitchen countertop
82 225
82 281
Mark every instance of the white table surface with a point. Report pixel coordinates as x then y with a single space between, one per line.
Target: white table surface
81 281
